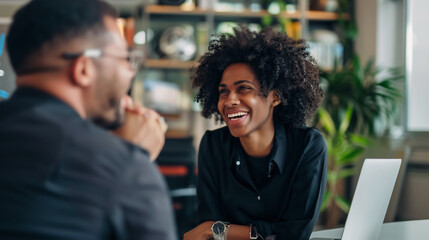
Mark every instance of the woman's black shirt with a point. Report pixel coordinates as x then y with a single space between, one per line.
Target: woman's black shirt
286 205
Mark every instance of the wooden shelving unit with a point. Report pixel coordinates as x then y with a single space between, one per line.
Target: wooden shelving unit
159 10
165 15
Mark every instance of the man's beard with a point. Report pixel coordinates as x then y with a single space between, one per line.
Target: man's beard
107 124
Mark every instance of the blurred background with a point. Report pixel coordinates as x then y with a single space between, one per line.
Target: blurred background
371 54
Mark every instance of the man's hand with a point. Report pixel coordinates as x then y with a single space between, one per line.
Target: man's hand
143 127
200 232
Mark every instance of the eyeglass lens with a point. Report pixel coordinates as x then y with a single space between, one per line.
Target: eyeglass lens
135 59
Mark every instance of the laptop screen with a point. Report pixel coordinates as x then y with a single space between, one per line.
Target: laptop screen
371 199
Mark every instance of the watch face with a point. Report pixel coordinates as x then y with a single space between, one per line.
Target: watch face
218 228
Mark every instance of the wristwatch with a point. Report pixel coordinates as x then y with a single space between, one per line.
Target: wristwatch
219 230
253 232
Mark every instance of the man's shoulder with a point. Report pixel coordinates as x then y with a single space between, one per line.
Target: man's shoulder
69 136
104 143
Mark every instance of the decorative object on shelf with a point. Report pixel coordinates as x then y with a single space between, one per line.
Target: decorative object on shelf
277 6
229 6
127 27
226 27
326 49
291 5
162 96
171 2
202 38
254 5
281 14
207 4
188 5
324 5
178 42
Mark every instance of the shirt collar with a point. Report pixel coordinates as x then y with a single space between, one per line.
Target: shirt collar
35 96
278 151
279 148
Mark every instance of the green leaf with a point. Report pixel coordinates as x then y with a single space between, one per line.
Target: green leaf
346 173
267 20
346 120
326 121
369 66
342 203
332 176
350 156
326 200
282 5
359 140
356 66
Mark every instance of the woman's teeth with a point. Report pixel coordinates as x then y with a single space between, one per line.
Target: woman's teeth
236 115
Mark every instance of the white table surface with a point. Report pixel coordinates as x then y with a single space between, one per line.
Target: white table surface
407 230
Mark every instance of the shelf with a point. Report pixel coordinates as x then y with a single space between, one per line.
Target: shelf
173 10
249 14
177 10
177 134
169 64
310 15
323 16
170 116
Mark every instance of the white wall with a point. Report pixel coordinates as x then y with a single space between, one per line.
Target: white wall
381 35
366 19
417 65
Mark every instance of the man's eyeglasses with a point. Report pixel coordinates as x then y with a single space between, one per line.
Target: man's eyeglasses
134 56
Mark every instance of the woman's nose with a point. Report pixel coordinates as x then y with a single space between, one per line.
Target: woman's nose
232 100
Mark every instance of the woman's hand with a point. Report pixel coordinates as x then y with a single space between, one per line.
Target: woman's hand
200 232
204 232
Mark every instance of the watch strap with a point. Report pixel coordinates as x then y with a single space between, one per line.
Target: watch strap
253 232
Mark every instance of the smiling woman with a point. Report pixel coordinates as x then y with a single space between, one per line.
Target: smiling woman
264 174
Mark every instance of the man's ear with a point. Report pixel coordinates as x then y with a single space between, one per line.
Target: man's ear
83 71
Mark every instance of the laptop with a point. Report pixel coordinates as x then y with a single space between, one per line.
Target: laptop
371 199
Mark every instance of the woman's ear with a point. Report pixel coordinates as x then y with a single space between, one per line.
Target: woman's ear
276 99
83 71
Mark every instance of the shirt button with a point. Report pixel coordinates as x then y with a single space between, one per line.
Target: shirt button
269 175
237 163
259 197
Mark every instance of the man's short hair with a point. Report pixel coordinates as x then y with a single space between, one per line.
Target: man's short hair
41 21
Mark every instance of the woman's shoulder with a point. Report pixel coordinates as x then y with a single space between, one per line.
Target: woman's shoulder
309 142
217 137
219 134
306 135
304 131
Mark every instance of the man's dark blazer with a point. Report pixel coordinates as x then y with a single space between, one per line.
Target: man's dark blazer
62 177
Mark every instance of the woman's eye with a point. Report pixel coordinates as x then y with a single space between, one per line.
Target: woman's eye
222 91
244 88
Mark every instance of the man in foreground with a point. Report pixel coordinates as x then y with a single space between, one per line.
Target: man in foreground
62 176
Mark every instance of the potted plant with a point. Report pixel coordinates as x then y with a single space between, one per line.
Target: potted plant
372 97
344 148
